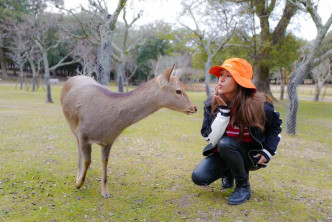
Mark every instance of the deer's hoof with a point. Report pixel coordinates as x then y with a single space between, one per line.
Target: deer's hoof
79 184
106 195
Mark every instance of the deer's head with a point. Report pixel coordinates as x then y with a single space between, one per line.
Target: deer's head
172 94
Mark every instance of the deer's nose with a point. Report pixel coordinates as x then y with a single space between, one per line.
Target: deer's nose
195 108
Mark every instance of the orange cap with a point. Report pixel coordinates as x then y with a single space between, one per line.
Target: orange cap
240 70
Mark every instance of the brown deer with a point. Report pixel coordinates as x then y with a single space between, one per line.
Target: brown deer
95 114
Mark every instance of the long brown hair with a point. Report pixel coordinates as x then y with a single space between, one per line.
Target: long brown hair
247 109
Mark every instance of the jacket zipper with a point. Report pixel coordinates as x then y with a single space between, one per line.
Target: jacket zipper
255 138
208 112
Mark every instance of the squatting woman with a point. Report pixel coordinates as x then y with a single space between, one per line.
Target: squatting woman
242 130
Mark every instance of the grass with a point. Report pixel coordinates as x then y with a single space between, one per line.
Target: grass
150 169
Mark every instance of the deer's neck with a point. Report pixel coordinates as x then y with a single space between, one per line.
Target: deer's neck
138 104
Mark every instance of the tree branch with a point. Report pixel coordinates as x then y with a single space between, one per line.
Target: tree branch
116 57
116 13
280 30
117 48
61 63
319 60
79 21
271 7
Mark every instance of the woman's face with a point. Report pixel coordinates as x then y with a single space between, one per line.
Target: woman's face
226 85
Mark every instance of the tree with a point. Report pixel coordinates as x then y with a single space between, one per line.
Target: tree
132 67
45 34
211 38
99 31
321 74
152 50
308 61
9 10
18 46
35 59
283 59
125 49
85 54
268 39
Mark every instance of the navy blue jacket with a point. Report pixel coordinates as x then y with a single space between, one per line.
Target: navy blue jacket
267 140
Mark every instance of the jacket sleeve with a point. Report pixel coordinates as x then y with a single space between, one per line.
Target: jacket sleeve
272 130
219 125
206 126
207 118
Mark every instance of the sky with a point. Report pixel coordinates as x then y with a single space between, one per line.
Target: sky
167 10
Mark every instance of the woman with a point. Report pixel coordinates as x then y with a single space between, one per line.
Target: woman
241 127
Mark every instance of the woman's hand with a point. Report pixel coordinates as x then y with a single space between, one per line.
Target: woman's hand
262 159
220 101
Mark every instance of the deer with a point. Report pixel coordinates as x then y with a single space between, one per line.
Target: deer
95 114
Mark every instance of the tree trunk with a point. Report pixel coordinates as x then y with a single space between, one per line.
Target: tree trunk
21 76
292 107
47 78
283 77
268 39
318 89
282 91
121 75
293 103
34 74
324 93
299 74
104 61
207 67
262 79
3 64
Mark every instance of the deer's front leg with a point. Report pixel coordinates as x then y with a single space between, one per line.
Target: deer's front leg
105 152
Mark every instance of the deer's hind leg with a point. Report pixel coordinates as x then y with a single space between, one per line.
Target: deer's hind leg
84 160
79 161
105 152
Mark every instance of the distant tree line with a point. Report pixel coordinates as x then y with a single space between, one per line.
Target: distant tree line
108 45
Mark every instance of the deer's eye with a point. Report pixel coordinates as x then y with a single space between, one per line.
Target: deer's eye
178 92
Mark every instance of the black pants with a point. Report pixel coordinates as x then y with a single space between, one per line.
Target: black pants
232 156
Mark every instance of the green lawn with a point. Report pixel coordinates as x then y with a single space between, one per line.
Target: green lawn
150 168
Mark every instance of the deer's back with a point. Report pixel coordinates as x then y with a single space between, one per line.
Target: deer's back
90 108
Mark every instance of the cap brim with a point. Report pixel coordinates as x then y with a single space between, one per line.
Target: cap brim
215 70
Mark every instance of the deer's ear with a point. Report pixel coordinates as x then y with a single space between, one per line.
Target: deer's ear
167 73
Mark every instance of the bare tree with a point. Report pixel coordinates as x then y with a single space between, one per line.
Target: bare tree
285 76
35 60
307 63
9 11
99 31
283 81
85 54
19 57
160 63
125 49
18 46
214 24
22 49
40 30
2 61
321 74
